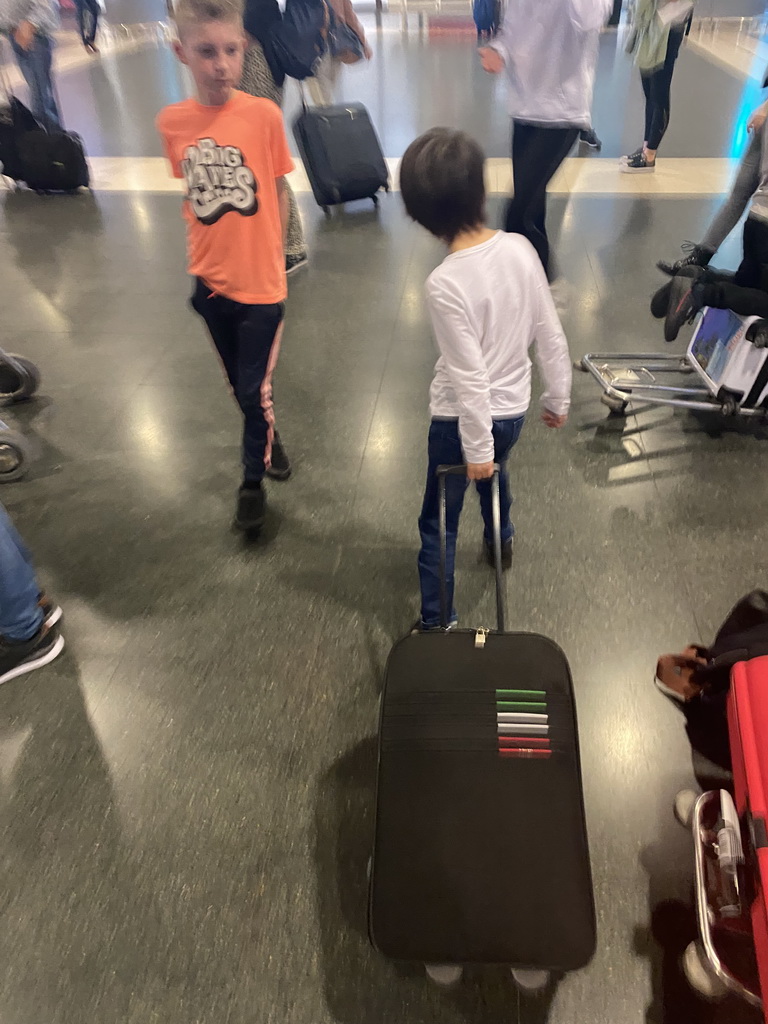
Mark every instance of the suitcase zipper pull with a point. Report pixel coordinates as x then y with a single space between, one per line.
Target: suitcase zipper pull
480 636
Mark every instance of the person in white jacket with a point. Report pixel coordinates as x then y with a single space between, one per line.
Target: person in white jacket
489 303
549 51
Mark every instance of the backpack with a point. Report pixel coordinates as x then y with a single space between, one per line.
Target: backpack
742 636
298 41
53 161
343 43
487 16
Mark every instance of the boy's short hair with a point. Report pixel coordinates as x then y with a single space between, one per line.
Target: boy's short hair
187 13
442 182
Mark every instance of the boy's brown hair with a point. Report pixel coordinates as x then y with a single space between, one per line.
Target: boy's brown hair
187 13
442 182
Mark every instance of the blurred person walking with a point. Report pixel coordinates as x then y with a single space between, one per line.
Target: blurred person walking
30 26
658 30
88 13
322 87
264 78
548 49
29 637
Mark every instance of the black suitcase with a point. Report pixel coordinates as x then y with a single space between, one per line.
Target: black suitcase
480 850
341 153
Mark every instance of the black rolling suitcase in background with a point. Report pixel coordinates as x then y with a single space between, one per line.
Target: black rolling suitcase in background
341 153
480 850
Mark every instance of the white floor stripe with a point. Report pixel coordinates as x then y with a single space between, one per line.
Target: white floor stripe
578 176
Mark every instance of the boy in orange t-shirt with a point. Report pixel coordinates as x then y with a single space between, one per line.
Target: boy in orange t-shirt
232 152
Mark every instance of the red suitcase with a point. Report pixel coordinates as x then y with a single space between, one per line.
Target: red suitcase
748 733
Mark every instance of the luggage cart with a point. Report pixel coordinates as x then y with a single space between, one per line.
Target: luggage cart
19 380
721 372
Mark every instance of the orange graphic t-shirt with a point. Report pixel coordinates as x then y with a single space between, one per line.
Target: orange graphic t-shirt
230 158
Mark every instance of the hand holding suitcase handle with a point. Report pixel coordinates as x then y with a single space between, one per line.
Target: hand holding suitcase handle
442 473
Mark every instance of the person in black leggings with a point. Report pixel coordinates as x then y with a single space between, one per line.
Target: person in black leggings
88 12
548 50
657 88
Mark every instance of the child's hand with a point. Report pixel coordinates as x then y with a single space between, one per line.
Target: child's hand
479 470
553 421
492 60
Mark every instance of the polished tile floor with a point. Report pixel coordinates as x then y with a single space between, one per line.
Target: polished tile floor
186 795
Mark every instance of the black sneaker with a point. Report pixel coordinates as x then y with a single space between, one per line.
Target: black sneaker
684 301
18 658
758 333
589 138
637 163
697 256
631 156
660 301
506 553
419 627
294 263
279 467
251 508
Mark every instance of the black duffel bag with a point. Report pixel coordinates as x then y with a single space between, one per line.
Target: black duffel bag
53 161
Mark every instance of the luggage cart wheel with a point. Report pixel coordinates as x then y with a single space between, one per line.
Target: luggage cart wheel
580 365
14 454
444 975
32 378
699 976
617 406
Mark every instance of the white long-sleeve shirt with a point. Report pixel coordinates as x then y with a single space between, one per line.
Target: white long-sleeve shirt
550 50
488 305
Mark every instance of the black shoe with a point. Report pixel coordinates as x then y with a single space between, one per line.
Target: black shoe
589 138
684 301
251 508
18 658
660 301
758 333
419 627
279 467
637 163
294 263
697 256
506 553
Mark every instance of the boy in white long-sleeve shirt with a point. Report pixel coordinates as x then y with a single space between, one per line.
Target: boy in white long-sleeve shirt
488 302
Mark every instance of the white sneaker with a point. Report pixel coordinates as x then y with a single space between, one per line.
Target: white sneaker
445 975
684 804
531 981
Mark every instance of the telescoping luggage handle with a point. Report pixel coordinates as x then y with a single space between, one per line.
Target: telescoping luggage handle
442 473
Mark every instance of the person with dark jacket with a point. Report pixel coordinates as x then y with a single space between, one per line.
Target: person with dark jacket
263 77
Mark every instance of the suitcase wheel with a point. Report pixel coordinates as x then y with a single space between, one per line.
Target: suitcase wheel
326 210
375 199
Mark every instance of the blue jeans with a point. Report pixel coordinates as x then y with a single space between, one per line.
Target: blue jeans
20 614
35 65
444 448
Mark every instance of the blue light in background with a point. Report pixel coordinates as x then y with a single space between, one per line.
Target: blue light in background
750 98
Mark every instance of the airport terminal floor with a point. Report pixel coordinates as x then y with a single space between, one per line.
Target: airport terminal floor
187 793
